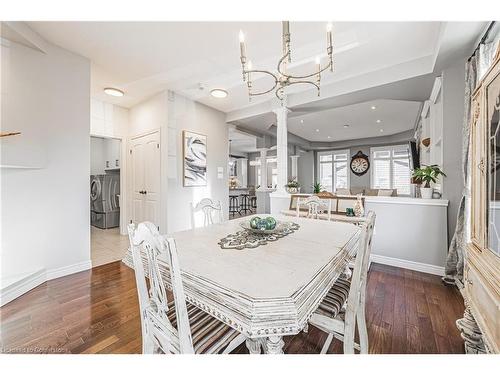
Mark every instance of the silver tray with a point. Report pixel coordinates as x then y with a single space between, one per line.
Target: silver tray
280 227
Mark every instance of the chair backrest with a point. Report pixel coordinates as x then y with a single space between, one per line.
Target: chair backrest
147 243
315 206
360 273
210 208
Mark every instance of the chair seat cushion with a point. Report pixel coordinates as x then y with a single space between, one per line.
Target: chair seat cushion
209 335
335 299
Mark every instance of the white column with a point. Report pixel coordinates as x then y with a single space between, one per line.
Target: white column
295 172
263 169
282 148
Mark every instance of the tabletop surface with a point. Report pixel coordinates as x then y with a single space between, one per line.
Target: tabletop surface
269 290
277 269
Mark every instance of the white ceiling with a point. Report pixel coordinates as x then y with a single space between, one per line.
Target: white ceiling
395 116
389 63
143 58
241 142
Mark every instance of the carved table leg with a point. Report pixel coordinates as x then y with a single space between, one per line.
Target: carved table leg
471 333
253 346
274 345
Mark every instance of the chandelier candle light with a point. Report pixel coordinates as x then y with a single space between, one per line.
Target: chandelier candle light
282 78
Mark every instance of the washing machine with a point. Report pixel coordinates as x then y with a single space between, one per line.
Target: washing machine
104 200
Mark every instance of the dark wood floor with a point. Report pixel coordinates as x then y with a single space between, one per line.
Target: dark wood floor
96 311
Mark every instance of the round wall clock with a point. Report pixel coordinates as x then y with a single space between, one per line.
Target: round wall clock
360 164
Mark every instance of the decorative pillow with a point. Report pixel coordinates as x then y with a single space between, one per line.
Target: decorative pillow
357 190
371 192
343 192
385 192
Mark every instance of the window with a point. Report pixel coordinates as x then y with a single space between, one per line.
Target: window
391 168
333 170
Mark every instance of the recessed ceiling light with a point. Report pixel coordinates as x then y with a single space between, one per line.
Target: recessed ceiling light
346 125
379 121
317 130
301 121
329 137
381 130
218 93
373 107
113 92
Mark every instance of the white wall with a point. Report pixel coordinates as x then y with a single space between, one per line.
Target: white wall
171 114
185 114
45 212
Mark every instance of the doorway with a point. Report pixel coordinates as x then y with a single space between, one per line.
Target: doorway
107 244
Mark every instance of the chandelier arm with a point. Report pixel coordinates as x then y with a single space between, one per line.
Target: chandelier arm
327 66
265 72
283 58
303 81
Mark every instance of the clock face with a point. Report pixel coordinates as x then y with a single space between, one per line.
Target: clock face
360 164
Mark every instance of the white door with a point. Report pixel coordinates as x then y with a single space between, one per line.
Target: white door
145 155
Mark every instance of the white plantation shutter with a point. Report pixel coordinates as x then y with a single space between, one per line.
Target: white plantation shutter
333 169
381 174
391 168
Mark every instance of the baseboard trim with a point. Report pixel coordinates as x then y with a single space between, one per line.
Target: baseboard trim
33 280
408 264
55 273
22 286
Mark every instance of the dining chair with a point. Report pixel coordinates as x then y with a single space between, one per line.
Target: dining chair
347 298
210 208
172 326
315 207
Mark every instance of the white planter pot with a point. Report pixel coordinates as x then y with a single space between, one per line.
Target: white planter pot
426 193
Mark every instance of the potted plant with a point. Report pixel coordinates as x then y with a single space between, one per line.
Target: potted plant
425 175
293 186
317 188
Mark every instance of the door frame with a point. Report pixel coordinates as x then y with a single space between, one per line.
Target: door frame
129 174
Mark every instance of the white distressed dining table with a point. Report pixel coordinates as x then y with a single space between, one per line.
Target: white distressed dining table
265 292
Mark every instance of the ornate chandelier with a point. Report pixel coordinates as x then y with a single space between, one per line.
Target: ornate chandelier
282 78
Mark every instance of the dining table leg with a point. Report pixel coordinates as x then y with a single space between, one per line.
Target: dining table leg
253 346
274 345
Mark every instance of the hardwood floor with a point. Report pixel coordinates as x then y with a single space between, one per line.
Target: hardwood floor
96 311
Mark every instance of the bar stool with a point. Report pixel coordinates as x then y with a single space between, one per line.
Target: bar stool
233 204
244 204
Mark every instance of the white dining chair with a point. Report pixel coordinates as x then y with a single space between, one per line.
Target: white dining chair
210 208
315 207
348 297
172 327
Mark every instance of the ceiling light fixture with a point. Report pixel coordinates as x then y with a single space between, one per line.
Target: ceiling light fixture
329 137
317 130
381 130
379 121
301 121
373 107
283 79
218 93
113 92
346 125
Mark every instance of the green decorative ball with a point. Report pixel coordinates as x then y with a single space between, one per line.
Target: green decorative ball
254 222
262 224
271 223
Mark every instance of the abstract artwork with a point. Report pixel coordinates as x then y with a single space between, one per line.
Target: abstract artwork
195 159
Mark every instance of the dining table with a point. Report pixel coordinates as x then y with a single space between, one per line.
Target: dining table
266 291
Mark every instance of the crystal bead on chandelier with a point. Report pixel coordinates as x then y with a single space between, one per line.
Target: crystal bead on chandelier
282 78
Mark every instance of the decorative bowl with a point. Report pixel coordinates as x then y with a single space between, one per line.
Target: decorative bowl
261 229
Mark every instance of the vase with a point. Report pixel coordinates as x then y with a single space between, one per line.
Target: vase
292 190
359 210
426 193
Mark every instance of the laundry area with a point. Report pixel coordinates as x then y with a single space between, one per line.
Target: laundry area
107 245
